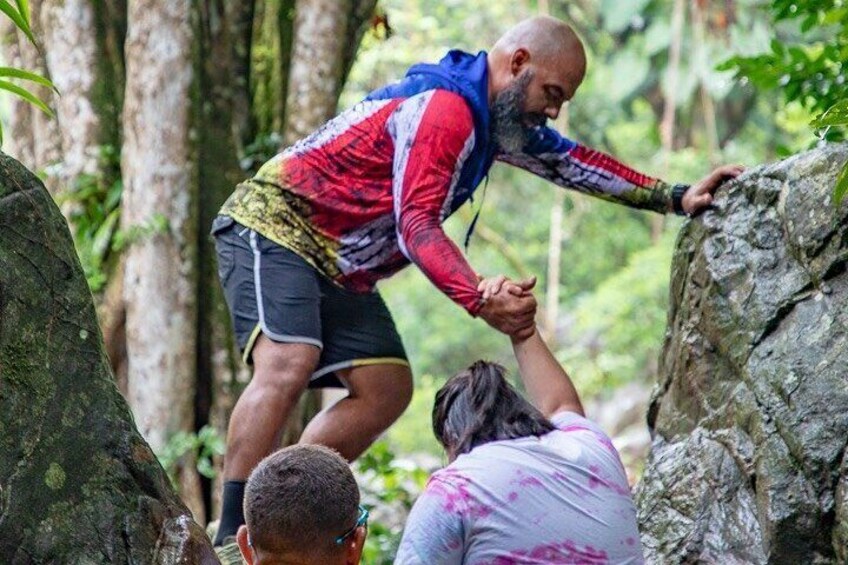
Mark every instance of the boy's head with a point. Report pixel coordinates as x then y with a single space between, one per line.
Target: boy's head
301 505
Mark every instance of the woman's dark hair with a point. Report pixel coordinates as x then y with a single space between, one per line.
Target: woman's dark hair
478 405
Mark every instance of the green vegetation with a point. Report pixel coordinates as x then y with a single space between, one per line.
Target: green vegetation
806 63
94 202
200 447
389 489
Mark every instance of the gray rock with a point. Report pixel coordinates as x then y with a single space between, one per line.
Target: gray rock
748 462
78 484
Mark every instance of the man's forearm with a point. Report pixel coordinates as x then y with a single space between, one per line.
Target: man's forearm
441 261
575 166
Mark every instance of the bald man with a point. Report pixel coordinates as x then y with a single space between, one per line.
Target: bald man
302 244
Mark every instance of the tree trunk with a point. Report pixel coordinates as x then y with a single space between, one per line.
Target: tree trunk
160 280
221 44
79 484
327 34
70 47
18 137
670 104
707 105
46 144
238 18
272 36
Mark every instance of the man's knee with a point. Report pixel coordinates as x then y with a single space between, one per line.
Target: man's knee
283 367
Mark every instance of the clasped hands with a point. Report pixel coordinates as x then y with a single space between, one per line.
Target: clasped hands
509 306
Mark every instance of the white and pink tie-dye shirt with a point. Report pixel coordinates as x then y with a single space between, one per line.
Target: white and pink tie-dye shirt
561 498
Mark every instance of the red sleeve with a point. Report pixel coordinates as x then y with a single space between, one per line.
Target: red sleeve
433 134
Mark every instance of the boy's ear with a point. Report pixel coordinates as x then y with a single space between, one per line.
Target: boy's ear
355 545
243 540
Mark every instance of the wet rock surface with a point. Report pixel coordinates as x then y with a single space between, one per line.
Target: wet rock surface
750 417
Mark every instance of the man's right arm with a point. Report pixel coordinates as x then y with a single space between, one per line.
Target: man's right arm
432 134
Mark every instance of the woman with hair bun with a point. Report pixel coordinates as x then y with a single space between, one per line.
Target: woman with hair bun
527 482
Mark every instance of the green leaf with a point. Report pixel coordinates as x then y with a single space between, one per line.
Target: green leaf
836 115
841 187
26 95
26 75
205 468
103 236
23 9
15 16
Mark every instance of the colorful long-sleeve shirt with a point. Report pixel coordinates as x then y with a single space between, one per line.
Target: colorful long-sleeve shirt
367 193
560 498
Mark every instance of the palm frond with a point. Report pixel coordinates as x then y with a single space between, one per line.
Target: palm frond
26 95
18 18
26 75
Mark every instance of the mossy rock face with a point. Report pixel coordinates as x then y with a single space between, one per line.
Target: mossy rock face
78 484
750 418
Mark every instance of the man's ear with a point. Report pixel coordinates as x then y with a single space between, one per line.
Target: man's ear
520 57
355 545
243 542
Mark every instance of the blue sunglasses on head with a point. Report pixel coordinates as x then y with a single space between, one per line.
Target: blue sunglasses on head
361 521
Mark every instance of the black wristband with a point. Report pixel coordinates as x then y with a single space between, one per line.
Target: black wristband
677 198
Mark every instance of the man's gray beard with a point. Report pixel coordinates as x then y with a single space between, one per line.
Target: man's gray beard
507 117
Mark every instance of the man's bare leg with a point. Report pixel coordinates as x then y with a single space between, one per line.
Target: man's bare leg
378 396
281 373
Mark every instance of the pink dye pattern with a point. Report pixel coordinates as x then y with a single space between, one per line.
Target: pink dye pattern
529 482
596 481
601 438
556 552
523 480
452 487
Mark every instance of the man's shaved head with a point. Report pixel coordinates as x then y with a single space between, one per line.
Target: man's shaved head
546 38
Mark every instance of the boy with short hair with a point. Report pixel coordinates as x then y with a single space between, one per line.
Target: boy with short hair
301 506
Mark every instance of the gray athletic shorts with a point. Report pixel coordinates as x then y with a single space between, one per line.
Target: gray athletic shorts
271 290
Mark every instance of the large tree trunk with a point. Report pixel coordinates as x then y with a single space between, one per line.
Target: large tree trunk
161 273
78 483
327 34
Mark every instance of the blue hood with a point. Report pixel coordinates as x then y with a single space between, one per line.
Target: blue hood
466 75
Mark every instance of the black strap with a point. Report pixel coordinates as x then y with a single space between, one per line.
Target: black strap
677 193
476 215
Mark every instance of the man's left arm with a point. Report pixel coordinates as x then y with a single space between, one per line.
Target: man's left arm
575 166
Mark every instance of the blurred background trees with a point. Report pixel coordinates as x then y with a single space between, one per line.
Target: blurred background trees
164 107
